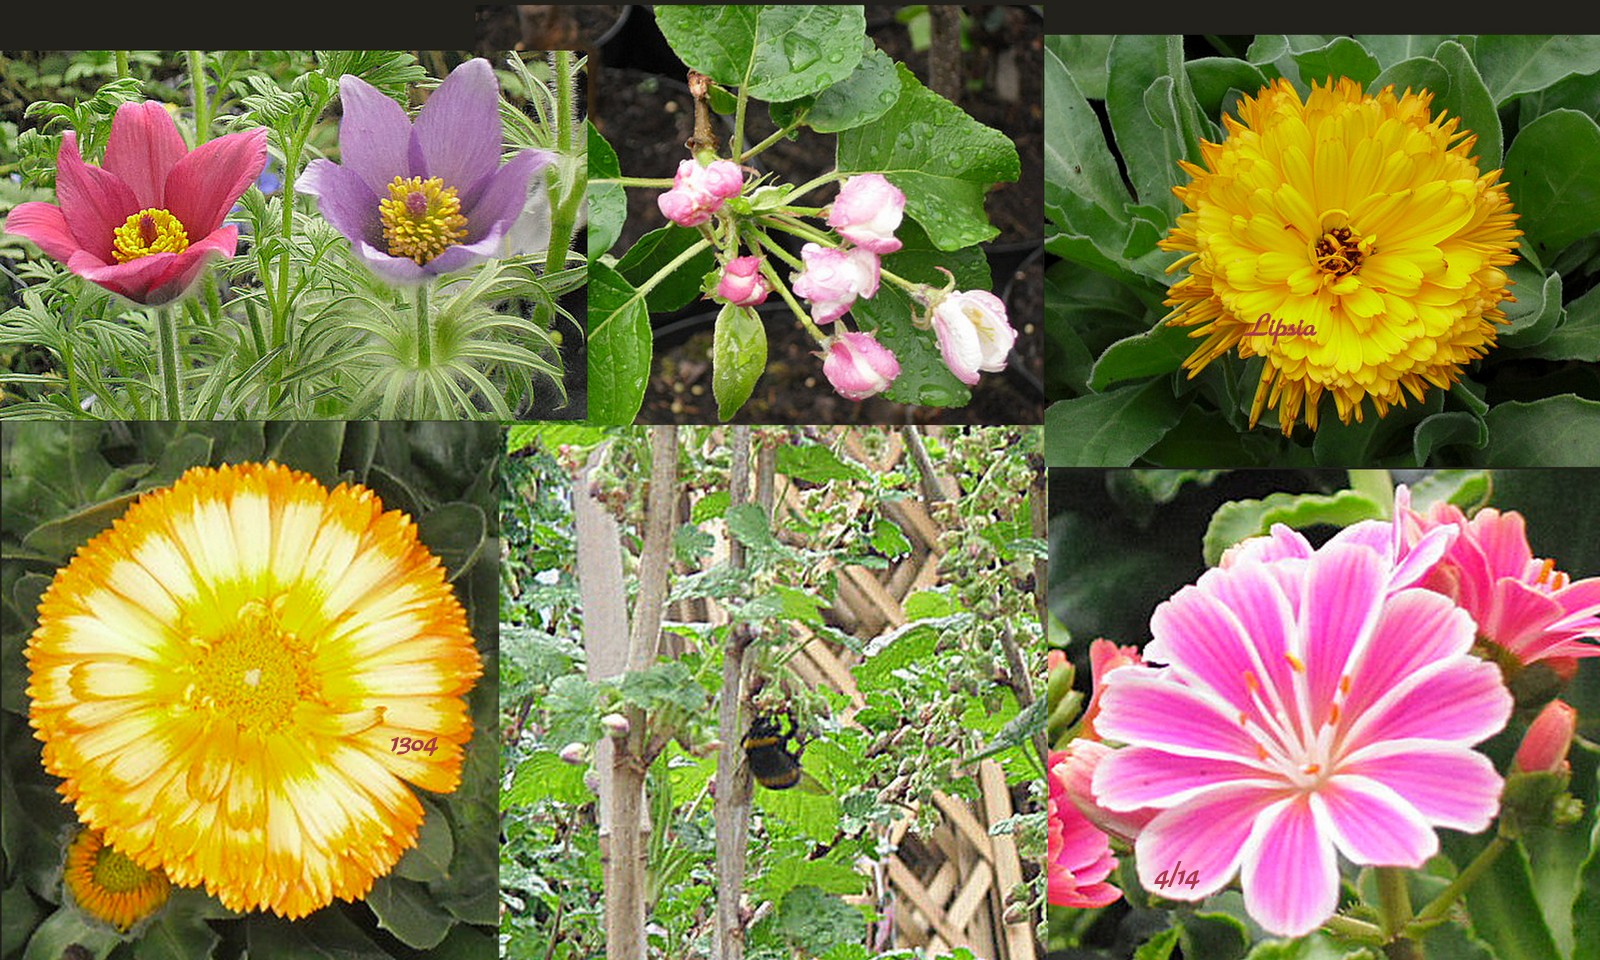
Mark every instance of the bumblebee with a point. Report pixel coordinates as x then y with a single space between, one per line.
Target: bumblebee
773 762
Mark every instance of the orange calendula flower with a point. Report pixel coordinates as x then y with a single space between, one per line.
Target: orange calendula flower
107 885
1349 239
221 678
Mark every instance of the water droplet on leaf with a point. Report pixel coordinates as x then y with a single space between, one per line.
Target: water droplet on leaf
801 52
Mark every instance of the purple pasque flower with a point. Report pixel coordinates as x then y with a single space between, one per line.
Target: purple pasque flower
424 197
834 277
742 283
698 191
867 212
974 333
1292 711
858 365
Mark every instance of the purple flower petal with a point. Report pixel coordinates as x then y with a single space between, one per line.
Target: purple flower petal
498 200
459 127
344 198
373 135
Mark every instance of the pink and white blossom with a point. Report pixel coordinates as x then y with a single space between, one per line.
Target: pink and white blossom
858 365
699 190
1079 854
868 211
834 278
1289 712
742 283
974 333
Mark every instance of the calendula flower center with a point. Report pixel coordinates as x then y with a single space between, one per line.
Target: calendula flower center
256 672
149 231
421 218
115 873
1340 251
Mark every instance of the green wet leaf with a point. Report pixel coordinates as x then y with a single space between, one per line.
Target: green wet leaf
941 158
1111 429
738 357
608 203
654 251
1240 519
620 347
1553 179
1562 430
775 52
864 96
1514 64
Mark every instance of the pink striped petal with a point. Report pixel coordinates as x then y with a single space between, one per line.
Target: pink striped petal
93 201
1503 540
1418 627
1199 636
1372 824
1517 617
1290 876
44 224
1141 706
1460 700
1204 838
1135 777
1423 557
1344 592
144 147
204 185
1450 785
1257 599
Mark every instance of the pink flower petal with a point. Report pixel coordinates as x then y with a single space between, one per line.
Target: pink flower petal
1235 624
44 224
1461 700
222 243
1450 785
1371 823
459 127
1517 617
374 135
1204 838
1290 877
1349 584
204 185
1141 706
1418 627
132 279
94 202
1502 538
1135 777
144 147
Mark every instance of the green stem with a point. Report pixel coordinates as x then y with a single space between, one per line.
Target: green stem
640 293
806 232
72 373
777 248
122 65
737 147
167 361
1449 895
653 182
799 312
1394 900
563 215
1352 928
813 184
424 335
763 145
202 103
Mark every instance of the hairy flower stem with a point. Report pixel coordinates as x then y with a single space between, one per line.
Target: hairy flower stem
424 347
167 362
1352 928
1449 895
122 65
777 249
202 103
655 183
799 312
813 184
1394 900
563 210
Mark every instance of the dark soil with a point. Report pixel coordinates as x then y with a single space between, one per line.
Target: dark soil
546 26
642 106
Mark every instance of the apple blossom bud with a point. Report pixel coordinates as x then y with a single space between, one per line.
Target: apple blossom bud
698 191
575 754
833 279
974 333
742 283
858 365
1544 746
867 212
616 725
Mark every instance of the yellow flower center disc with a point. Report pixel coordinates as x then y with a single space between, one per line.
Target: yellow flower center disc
255 673
116 873
421 218
146 232
1339 251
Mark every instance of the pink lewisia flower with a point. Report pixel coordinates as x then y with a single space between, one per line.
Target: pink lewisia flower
742 283
698 191
1081 758
974 333
858 365
833 279
1522 604
1079 855
1104 657
416 199
1298 715
867 212
144 224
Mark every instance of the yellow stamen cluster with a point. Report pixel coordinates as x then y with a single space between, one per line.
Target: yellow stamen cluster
256 672
421 218
149 231
108 885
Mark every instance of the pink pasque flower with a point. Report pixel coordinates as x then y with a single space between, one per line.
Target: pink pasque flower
699 190
1522 604
144 224
834 278
867 212
1544 747
742 283
858 365
1079 855
1298 716
973 332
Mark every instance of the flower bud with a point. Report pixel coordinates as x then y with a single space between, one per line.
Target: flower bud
616 725
1075 769
698 191
867 212
974 333
832 279
858 365
742 283
1544 746
575 753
